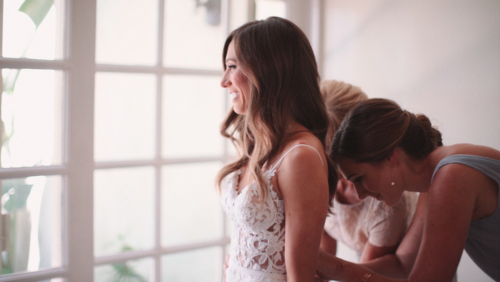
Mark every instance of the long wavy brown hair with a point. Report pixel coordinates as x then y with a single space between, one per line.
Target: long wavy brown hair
276 57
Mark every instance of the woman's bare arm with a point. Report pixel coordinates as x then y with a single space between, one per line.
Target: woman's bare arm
371 252
450 205
303 182
400 264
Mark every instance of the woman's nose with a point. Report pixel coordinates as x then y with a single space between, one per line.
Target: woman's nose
225 82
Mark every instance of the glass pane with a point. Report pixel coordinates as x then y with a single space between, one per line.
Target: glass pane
123 210
32 117
203 265
127 32
194 36
193 108
130 271
33 29
124 116
191 209
33 206
240 13
269 8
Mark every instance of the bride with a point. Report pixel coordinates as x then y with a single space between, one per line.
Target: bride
277 192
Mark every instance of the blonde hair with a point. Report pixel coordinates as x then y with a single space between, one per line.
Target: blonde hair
339 98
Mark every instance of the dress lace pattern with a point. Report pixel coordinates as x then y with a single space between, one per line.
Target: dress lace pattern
258 237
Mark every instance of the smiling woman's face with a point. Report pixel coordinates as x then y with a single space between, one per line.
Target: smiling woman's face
372 180
236 82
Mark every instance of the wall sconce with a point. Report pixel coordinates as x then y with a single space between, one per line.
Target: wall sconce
213 10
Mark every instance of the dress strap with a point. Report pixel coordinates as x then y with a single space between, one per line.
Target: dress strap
275 166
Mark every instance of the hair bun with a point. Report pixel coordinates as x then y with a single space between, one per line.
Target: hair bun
433 133
420 137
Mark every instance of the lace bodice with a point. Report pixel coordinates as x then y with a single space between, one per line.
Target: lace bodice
258 237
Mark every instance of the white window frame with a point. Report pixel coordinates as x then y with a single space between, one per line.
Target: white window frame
78 166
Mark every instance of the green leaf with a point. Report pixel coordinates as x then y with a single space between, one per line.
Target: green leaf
36 9
10 81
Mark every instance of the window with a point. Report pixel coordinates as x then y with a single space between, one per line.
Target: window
268 8
110 112
32 159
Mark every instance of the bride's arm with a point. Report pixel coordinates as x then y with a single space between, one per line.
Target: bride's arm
303 182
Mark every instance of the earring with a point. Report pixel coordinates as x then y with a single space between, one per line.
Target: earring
392 182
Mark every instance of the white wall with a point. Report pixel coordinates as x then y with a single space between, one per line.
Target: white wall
440 58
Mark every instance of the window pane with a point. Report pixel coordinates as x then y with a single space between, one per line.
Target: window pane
240 13
124 116
194 36
33 29
191 209
33 206
203 265
193 108
123 210
127 32
32 117
269 8
130 271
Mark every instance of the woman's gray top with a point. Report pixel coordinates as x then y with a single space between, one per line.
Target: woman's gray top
483 240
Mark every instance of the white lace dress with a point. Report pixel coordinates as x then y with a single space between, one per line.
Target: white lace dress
258 236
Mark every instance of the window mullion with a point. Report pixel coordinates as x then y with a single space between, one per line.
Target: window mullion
158 155
80 142
1 32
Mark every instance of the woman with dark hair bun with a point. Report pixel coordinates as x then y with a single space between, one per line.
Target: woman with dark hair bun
367 226
277 191
384 151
